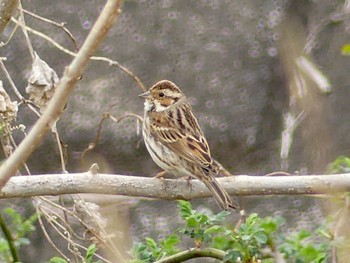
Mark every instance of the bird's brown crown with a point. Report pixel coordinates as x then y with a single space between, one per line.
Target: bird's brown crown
166 93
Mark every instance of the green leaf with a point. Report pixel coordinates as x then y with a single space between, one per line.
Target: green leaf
215 219
345 50
321 258
261 237
309 253
222 242
22 241
90 253
151 243
303 234
215 229
141 252
192 222
252 218
58 260
171 241
246 237
271 224
185 209
232 256
339 165
11 212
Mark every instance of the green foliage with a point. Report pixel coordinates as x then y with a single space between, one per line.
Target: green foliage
301 247
340 165
58 260
345 50
90 252
251 237
18 228
150 251
199 226
245 243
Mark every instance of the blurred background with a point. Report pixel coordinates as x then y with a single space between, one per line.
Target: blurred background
252 70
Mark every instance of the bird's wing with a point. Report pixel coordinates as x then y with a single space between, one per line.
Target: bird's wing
189 142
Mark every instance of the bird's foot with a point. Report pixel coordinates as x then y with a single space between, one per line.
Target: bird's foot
189 181
160 175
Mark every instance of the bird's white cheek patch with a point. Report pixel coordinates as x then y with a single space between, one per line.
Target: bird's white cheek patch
159 107
148 105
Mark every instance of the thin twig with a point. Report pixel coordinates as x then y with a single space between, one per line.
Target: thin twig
127 115
60 149
15 90
20 97
48 238
93 144
118 65
60 25
2 44
51 217
74 216
65 87
58 216
71 53
42 35
24 29
12 84
105 116
110 245
7 9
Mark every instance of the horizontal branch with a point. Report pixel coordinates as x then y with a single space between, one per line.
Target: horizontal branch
170 189
194 253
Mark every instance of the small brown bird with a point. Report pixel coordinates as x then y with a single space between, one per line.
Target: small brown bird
175 141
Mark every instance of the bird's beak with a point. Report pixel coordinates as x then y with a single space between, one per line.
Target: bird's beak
145 95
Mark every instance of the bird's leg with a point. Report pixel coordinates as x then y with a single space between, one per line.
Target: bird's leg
189 181
160 175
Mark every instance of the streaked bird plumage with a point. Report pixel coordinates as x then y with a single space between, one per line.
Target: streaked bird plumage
175 141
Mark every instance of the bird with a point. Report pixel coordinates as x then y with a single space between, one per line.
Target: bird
175 141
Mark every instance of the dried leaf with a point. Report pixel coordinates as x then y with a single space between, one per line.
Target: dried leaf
42 83
90 214
8 108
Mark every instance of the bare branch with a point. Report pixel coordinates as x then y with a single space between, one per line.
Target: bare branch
60 25
65 87
7 8
42 35
171 189
71 53
46 234
23 25
194 253
105 116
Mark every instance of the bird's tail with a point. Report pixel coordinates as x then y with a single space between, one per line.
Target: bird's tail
219 193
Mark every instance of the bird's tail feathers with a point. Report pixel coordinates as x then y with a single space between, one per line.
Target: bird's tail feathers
220 195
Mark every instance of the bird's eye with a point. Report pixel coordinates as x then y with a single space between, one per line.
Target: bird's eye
161 94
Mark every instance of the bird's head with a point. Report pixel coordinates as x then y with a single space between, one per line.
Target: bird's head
162 96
